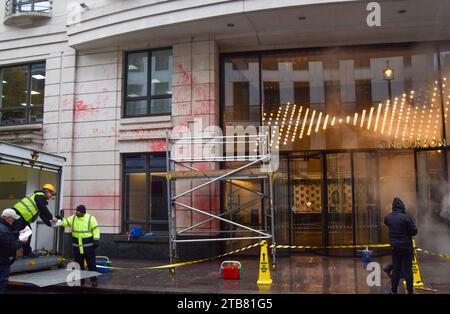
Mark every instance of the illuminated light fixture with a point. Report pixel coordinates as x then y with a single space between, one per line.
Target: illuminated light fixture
340 120
406 122
333 121
38 76
290 123
413 123
33 92
399 119
4 82
392 116
284 118
23 104
304 122
355 118
297 122
318 122
363 117
388 72
370 118
325 122
380 105
311 122
347 119
132 67
386 109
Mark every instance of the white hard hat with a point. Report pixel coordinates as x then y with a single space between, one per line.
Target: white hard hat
9 212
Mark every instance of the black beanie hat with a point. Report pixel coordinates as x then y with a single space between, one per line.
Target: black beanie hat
81 209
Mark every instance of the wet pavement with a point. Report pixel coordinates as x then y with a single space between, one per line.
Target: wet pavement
295 274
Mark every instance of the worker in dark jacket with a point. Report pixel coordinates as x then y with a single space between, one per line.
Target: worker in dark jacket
32 206
401 231
9 244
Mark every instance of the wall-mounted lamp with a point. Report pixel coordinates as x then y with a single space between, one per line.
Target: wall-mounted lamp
388 72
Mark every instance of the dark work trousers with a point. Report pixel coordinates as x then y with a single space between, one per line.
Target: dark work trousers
4 275
18 225
89 256
402 267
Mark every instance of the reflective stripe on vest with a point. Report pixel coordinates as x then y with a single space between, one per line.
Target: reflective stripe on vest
76 232
83 245
27 207
81 234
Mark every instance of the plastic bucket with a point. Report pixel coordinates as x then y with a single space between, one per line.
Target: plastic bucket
231 270
135 232
103 261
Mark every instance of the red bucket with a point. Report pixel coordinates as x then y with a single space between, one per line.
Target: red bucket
230 269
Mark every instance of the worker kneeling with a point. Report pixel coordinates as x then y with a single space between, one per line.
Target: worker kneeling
85 239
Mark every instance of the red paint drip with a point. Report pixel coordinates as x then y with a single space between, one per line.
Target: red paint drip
187 78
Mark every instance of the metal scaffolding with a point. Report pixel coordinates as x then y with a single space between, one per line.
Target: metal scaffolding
252 161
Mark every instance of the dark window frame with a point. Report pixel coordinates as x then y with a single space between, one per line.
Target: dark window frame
147 170
28 107
17 5
149 96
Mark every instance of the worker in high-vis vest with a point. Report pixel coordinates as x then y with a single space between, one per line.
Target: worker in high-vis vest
29 208
85 239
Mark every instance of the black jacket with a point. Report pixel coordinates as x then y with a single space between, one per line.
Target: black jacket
44 213
9 243
401 226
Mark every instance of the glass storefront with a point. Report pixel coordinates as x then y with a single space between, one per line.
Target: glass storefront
357 126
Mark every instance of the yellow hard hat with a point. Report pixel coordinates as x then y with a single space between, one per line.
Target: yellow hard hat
49 187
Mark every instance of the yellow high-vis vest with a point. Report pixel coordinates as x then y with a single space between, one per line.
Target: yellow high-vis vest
84 230
27 207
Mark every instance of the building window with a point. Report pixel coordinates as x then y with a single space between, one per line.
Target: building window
22 94
338 97
31 6
145 194
148 89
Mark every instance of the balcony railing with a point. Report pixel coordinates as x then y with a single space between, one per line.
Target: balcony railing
26 12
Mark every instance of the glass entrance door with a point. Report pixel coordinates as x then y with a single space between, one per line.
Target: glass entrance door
339 201
367 198
306 199
359 188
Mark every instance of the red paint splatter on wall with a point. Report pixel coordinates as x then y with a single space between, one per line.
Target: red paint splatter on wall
187 78
157 146
82 109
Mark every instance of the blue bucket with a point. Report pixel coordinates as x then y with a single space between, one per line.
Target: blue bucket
104 262
135 232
